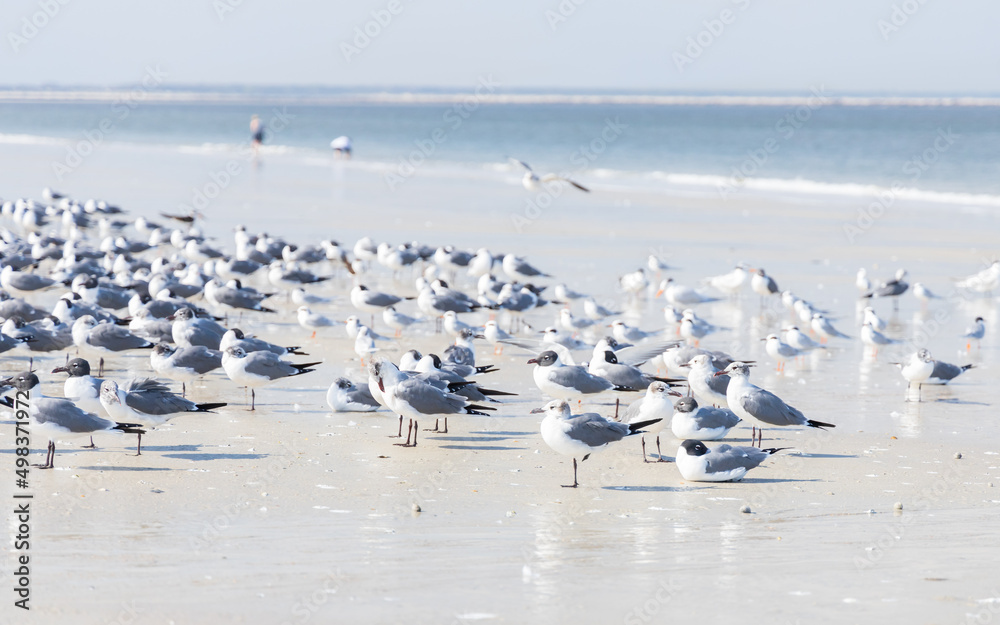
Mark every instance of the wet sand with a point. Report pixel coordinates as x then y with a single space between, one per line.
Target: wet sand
294 514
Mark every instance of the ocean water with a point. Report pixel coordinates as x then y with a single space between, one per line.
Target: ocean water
933 151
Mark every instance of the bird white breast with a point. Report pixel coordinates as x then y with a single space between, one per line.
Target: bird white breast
555 436
693 468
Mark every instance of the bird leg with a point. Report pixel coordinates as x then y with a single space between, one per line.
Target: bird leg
435 427
50 456
659 455
575 483
400 435
183 389
100 367
91 445
643 439
253 399
138 445
445 425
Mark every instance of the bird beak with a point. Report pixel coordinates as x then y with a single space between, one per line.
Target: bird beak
169 317
763 339
381 387
674 393
533 361
686 364
658 293
479 336
537 410
60 370
718 373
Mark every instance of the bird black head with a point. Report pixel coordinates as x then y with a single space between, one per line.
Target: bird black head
78 367
612 343
238 333
545 359
436 360
443 284
362 287
24 381
694 448
686 404
91 283
162 349
343 383
610 357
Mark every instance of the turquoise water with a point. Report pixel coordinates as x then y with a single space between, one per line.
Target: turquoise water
826 148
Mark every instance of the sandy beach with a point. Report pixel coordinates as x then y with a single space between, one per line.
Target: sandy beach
294 514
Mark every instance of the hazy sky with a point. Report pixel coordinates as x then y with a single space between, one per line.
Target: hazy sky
863 46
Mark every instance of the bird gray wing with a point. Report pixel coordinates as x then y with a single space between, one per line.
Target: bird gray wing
719 383
638 354
151 397
115 338
268 365
769 408
624 375
594 430
200 359
64 413
631 412
30 281
945 370
726 458
427 399
361 395
709 417
382 299
580 379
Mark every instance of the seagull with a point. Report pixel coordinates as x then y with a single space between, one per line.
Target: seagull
653 409
874 339
235 297
534 182
105 338
862 282
871 318
779 350
822 326
595 311
495 336
977 332
680 295
235 336
301 297
581 435
625 333
923 293
259 368
892 288
414 398
184 364
148 402
622 375
800 340
763 284
725 463
984 281
61 418
703 423
21 284
344 396
519 269
918 368
189 330
565 294
749 401
366 300
729 283
571 323
704 383
312 321
562 381
694 328
83 388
